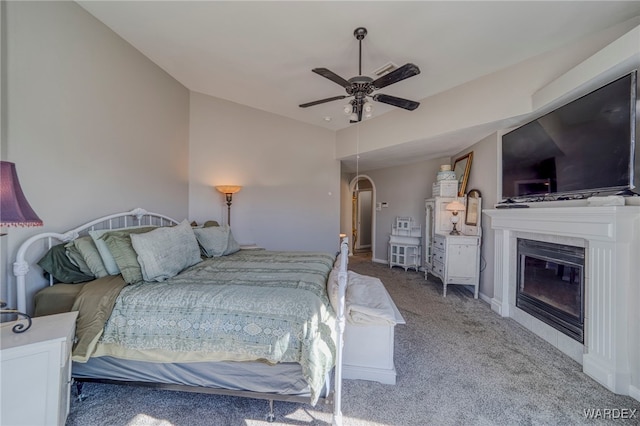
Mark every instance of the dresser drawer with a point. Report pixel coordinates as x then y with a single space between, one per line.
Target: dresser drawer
438 255
438 269
438 242
462 280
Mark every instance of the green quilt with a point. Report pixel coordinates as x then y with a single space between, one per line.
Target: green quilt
251 305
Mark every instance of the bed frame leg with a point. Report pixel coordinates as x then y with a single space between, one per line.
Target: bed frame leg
79 395
271 417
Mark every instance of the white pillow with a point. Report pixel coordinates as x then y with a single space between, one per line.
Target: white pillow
165 252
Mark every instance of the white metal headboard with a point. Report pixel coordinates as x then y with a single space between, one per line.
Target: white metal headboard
134 217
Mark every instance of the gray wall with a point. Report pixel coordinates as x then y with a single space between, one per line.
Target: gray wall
484 177
291 180
93 126
404 189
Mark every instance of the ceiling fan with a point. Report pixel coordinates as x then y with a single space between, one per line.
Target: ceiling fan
361 87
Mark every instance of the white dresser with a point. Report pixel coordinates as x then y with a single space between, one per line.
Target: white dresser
36 371
455 259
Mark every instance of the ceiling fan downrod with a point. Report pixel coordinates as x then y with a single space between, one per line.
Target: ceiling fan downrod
359 33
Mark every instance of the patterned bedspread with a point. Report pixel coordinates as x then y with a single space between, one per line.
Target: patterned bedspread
252 305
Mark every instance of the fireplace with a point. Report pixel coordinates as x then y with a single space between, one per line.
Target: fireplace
610 235
551 285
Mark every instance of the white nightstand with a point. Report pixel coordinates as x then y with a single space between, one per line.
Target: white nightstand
36 371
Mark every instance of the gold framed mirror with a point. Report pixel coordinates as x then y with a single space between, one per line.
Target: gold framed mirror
462 167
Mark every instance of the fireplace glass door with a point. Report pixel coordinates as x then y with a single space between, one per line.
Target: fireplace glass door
551 285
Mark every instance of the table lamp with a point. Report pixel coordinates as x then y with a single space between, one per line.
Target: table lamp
14 211
454 207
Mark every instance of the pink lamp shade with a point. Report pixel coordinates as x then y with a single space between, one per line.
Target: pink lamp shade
14 207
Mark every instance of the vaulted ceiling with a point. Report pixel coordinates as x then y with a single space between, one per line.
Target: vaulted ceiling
261 53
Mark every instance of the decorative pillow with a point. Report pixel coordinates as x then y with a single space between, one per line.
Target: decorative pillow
119 244
165 252
213 240
107 258
56 263
90 255
76 258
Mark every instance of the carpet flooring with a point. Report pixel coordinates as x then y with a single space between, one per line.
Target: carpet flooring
458 363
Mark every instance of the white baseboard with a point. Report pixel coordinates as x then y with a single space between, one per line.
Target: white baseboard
634 392
485 298
384 376
380 261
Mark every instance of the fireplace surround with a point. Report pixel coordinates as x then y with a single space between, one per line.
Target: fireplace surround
610 237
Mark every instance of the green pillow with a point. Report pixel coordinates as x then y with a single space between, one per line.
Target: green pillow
108 260
89 252
76 258
119 244
56 263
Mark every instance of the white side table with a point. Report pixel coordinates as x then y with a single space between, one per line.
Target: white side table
36 371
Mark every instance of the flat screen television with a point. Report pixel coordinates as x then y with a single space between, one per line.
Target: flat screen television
583 148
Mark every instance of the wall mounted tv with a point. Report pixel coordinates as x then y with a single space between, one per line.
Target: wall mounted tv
581 149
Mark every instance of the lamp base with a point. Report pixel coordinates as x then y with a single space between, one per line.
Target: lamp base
454 232
19 327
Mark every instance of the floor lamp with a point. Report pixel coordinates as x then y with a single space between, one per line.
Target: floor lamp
228 191
14 211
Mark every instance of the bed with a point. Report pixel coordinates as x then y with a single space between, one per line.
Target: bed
188 309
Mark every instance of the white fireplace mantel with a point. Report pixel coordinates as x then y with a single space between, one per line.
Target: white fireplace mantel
611 238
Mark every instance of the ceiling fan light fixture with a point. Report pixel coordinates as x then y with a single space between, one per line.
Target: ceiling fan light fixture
362 87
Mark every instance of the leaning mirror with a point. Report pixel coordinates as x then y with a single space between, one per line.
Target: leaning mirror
472 213
462 167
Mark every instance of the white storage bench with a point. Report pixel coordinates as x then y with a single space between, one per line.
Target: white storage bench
371 317
368 351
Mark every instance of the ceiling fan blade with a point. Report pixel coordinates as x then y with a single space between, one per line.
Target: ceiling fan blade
405 71
397 102
332 76
321 101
